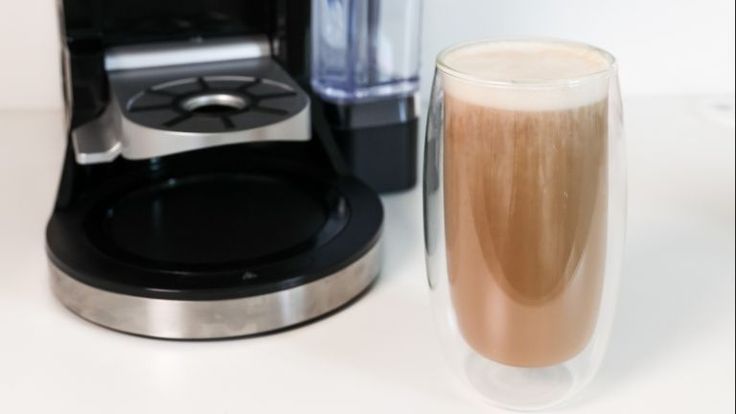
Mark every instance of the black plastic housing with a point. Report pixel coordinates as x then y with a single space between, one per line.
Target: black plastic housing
378 140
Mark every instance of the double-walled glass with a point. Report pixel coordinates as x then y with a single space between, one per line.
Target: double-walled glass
524 202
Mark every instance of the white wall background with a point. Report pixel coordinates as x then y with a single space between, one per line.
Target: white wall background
30 68
663 46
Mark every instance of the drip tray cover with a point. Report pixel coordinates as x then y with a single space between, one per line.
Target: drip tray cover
160 111
208 104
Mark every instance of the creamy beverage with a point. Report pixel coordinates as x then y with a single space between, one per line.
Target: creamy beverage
525 197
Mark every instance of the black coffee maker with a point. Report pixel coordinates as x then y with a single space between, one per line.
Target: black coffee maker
224 159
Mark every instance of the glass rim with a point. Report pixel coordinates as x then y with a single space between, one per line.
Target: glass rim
447 69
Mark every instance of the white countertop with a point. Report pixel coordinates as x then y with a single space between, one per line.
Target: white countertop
672 348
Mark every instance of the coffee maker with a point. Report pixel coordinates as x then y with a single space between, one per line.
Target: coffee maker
224 159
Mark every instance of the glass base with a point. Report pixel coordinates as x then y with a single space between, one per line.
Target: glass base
519 388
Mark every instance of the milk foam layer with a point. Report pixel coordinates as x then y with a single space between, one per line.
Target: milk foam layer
526 75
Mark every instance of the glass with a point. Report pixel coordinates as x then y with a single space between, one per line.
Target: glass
365 49
524 214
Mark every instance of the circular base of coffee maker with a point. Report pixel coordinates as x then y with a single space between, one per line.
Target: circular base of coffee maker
212 319
206 256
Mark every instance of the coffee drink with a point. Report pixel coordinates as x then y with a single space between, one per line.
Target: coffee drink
525 197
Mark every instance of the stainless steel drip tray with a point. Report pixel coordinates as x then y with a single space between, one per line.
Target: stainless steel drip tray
165 110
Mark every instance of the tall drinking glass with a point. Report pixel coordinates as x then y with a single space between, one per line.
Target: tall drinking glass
524 202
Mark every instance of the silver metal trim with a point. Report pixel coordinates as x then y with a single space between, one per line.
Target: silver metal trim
94 142
178 319
225 100
185 53
141 142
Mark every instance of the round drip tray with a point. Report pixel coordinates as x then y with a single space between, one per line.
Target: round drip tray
215 255
219 220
